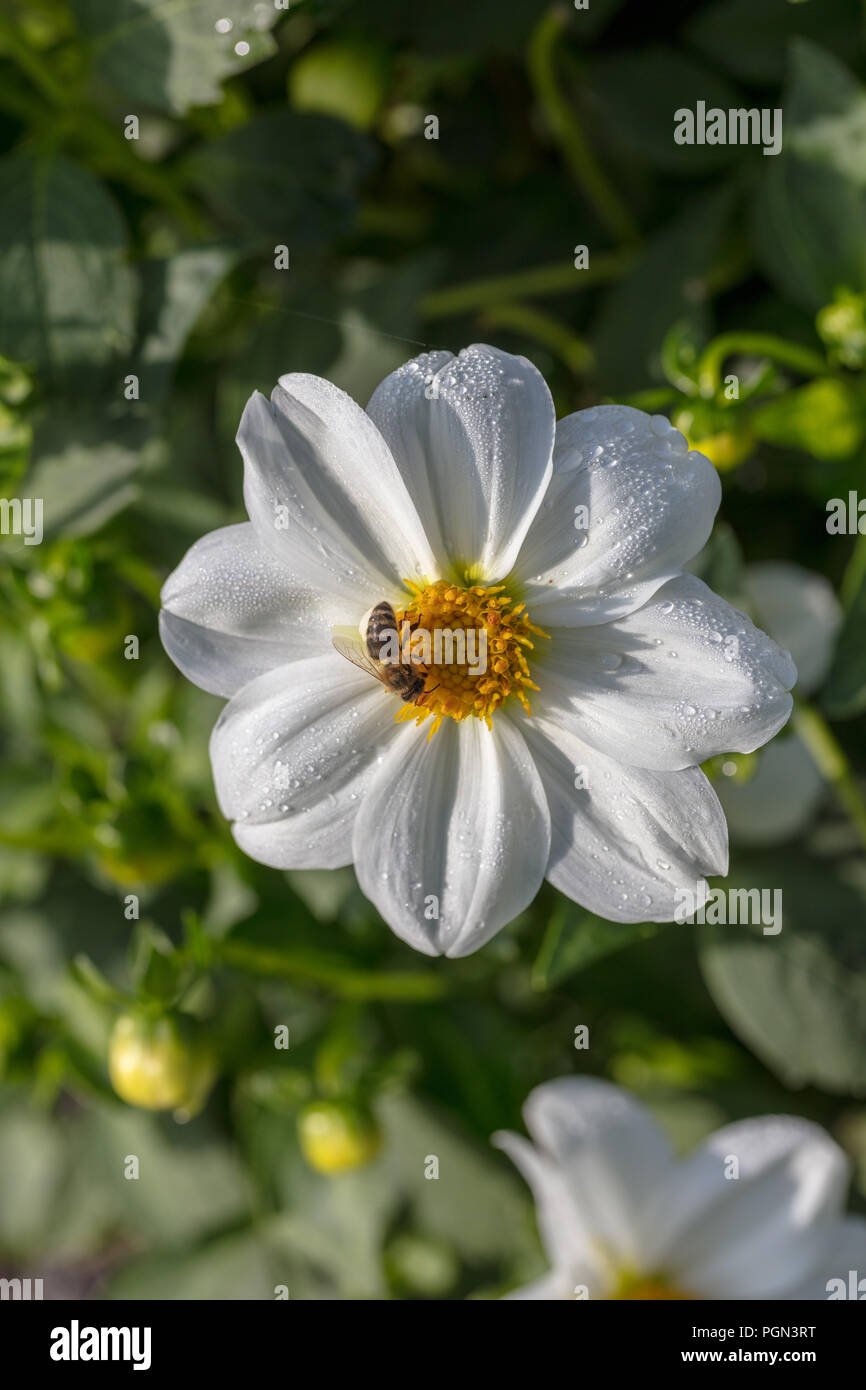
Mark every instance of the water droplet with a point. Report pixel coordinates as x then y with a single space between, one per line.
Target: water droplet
611 661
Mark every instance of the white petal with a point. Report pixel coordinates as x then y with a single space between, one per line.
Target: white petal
801 611
550 1288
684 678
457 826
625 840
779 800
324 493
649 504
562 1228
292 755
231 612
759 1233
845 1255
473 437
611 1153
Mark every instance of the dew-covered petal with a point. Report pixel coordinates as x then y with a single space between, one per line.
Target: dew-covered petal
231 611
325 495
472 436
801 611
628 505
625 842
753 1211
293 754
452 840
685 677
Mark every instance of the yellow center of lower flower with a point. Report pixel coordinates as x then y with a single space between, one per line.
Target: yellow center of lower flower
633 1287
473 644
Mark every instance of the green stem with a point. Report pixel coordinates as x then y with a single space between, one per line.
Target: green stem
564 125
575 353
542 280
31 64
799 359
831 760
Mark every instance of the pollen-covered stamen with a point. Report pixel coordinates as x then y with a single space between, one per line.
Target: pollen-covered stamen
479 640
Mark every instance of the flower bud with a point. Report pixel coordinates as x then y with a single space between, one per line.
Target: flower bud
160 1064
336 1136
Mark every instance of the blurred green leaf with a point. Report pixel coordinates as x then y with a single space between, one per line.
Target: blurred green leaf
67 295
810 215
575 939
638 94
284 178
174 293
86 468
750 38
826 418
665 287
798 999
172 56
844 693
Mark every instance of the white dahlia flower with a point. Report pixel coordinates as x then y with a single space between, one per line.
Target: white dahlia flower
755 1212
609 673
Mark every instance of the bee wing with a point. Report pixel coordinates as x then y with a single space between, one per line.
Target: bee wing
347 642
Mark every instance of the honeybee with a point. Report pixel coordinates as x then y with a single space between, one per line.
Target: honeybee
364 648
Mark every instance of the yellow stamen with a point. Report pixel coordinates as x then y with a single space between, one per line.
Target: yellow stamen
502 636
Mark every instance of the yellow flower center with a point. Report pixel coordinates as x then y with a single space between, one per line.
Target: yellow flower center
473 644
634 1287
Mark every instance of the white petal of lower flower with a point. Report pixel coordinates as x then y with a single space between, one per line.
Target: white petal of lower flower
801 611
550 1288
453 836
684 678
846 1256
231 611
611 1153
624 840
293 754
779 800
473 437
760 1233
324 493
628 505
566 1239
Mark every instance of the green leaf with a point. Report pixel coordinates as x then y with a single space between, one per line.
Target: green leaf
826 418
67 295
720 564
575 939
174 293
284 178
170 55
798 999
190 1182
810 213
750 37
86 468
236 1266
844 693
663 288
638 94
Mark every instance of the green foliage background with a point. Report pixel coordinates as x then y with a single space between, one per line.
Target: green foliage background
156 257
